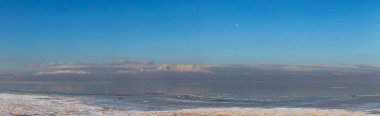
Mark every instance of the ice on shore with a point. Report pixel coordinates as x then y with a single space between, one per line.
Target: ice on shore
27 104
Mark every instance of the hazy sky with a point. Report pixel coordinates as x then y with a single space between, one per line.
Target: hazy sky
190 31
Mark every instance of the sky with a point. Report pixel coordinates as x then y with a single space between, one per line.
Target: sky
293 32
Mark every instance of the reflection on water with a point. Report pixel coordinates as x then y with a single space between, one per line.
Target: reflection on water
68 89
207 87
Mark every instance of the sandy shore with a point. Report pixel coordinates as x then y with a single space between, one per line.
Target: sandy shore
16 104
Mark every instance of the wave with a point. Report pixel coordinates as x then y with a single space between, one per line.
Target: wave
164 100
62 105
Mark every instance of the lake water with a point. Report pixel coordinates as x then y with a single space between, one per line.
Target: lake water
179 91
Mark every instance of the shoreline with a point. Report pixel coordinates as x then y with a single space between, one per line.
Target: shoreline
34 104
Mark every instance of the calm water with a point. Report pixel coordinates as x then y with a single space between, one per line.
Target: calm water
171 91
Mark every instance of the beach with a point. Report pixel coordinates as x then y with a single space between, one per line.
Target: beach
34 104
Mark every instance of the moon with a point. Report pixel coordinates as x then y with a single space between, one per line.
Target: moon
236 25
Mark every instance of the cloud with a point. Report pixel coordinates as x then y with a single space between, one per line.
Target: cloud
122 67
127 71
128 67
309 69
58 72
60 65
183 68
168 68
73 65
123 62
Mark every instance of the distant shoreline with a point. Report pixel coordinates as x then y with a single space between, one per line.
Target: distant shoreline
34 104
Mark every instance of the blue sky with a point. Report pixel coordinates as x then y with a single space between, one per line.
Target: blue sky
190 31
